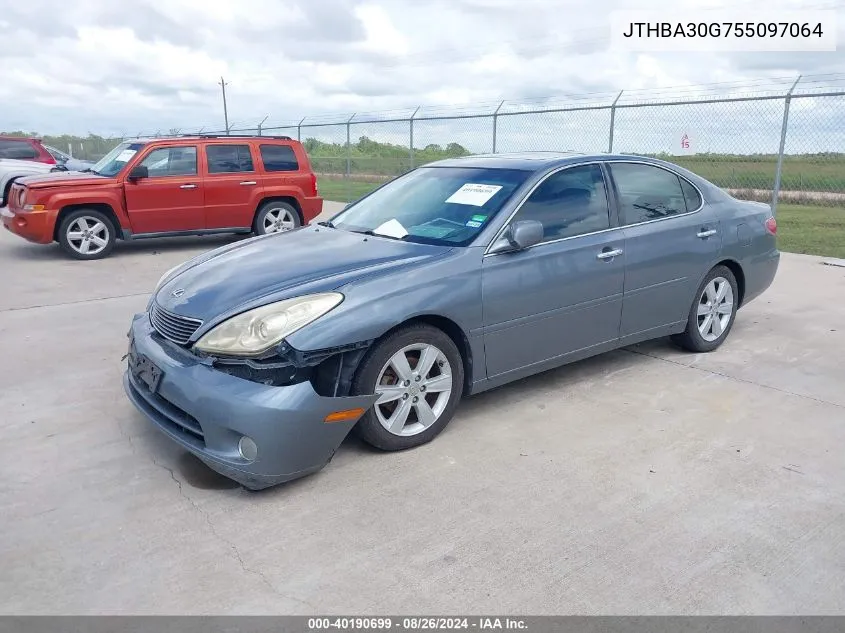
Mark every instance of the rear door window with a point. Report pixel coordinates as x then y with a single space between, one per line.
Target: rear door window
278 158
647 192
19 150
227 159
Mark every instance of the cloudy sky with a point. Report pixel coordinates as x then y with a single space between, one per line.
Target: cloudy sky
117 67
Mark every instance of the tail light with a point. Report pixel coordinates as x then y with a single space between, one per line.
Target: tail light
772 225
314 184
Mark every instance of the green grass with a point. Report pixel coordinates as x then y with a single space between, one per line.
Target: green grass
343 190
811 230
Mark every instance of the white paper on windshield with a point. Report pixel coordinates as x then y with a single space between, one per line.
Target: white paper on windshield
476 195
391 228
125 155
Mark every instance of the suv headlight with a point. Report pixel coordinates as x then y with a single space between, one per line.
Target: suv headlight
254 332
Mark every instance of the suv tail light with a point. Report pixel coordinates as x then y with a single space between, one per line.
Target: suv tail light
313 184
772 225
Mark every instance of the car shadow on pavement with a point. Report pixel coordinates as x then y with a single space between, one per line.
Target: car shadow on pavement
153 246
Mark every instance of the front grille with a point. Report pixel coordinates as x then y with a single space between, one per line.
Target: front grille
174 327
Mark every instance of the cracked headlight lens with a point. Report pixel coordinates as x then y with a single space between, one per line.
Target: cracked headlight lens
254 332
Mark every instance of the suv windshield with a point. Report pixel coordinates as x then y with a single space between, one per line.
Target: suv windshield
115 160
434 205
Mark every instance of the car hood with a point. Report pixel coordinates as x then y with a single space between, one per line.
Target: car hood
271 268
64 179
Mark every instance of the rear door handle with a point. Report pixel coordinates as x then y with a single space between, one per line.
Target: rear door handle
609 254
249 182
705 233
188 186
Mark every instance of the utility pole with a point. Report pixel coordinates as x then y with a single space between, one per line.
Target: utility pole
225 110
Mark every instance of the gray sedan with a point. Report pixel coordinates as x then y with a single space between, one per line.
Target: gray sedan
455 278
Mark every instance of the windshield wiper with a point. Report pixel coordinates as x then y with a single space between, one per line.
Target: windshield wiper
327 223
373 233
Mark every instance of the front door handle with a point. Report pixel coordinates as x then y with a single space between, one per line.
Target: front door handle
189 186
609 254
705 233
249 182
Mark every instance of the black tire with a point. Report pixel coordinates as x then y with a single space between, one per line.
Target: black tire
369 428
284 209
692 339
107 233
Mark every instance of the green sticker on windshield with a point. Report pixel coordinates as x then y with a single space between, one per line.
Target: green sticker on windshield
479 218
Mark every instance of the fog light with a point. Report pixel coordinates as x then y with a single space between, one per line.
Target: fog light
247 449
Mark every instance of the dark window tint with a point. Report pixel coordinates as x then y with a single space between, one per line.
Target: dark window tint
691 195
171 161
224 159
570 202
279 158
647 192
20 150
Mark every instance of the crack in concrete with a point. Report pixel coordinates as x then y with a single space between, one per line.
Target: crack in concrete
713 372
236 554
70 303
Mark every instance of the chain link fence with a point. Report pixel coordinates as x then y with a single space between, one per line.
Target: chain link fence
782 142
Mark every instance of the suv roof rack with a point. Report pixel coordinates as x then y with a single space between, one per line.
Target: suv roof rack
211 135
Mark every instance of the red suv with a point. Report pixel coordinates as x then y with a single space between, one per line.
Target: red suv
164 187
21 148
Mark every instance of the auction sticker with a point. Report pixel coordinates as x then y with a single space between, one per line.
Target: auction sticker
476 195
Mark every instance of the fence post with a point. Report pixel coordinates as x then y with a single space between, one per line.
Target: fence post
785 124
262 123
495 124
299 129
612 122
411 139
349 158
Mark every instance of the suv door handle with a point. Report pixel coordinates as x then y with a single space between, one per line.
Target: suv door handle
609 254
249 182
188 186
705 233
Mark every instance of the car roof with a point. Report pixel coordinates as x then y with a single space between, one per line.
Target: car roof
536 161
19 138
193 138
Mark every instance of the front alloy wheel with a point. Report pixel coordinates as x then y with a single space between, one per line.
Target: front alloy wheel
418 375
87 234
414 388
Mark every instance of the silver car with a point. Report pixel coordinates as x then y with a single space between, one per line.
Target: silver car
457 277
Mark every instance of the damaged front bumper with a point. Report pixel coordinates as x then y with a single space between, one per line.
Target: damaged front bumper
209 412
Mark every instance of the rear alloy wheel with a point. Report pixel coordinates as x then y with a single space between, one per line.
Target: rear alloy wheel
87 234
275 217
418 375
712 314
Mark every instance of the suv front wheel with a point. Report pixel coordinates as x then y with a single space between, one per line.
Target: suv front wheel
275 217
87 234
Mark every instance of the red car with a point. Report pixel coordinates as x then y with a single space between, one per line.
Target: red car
166 187
21 148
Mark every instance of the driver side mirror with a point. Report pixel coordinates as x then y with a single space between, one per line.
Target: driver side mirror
519 236
138 172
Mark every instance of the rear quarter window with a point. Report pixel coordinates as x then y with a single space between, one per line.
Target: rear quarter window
20 150
278 158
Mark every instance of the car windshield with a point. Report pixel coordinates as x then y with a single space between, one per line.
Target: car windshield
115 160
434 205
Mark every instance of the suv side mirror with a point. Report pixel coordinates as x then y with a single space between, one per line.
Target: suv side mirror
138 172
518 236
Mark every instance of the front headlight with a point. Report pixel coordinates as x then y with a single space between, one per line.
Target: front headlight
254 332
